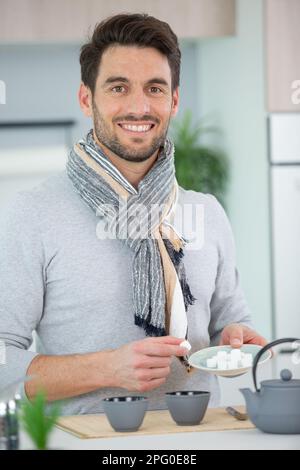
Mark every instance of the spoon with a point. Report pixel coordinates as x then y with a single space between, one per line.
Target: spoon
237 414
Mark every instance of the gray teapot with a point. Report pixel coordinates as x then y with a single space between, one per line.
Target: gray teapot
275 408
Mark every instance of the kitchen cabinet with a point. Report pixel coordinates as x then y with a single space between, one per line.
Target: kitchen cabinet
31 21
282 40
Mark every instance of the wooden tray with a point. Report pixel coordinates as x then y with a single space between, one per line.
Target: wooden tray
155 422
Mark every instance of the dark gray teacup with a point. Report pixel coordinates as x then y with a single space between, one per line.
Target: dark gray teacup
187 408
125 414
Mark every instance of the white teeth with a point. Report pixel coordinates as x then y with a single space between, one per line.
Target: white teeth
136 128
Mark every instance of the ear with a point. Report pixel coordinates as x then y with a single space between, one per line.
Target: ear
175 104
85 99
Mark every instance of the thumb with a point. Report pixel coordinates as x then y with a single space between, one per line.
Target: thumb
236 337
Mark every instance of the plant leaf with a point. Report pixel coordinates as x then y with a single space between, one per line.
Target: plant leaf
37 423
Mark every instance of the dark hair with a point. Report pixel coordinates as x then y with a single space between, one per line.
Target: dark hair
136 29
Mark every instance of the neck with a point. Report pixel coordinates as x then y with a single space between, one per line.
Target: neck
134 172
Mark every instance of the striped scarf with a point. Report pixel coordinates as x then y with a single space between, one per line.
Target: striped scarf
161 294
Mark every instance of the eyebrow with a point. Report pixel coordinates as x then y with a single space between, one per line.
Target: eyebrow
113 79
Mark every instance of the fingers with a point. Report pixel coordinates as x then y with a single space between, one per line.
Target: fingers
259 340
144 365
236 337
146 362
145 375
152 378
151 385
165 339
152 348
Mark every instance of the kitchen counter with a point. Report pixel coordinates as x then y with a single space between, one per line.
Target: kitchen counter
243 439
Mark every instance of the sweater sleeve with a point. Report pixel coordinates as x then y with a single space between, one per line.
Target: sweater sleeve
228 304
21 285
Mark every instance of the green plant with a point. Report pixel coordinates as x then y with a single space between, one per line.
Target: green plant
199 167
36 422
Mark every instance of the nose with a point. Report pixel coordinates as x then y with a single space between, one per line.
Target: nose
138 102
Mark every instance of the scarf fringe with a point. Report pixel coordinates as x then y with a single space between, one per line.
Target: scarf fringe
177 259
188 297
177 256
150 329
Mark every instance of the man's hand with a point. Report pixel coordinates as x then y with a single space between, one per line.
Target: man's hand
236 335
144 365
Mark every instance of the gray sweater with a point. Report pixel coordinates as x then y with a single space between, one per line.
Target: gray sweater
75 290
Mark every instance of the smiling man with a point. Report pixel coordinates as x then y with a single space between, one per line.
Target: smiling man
111 292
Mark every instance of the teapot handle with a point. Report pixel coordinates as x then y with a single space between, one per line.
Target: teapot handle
263 350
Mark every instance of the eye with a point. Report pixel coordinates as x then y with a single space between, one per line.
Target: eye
117 87
156 88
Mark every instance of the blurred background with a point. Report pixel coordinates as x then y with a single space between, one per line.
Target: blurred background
240 89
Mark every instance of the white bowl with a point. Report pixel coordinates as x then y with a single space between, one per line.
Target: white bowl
199 358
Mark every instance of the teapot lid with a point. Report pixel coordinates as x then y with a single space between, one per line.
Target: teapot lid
286 381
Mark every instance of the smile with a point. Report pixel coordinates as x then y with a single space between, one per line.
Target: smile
136 129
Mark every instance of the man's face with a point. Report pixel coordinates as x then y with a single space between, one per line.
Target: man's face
133 88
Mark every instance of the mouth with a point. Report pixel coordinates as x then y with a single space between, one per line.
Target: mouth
137 129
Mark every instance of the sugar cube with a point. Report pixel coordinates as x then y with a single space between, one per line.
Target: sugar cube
247 360
222 355
212 362
236 354
233 364
185 344
222 364
229 360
